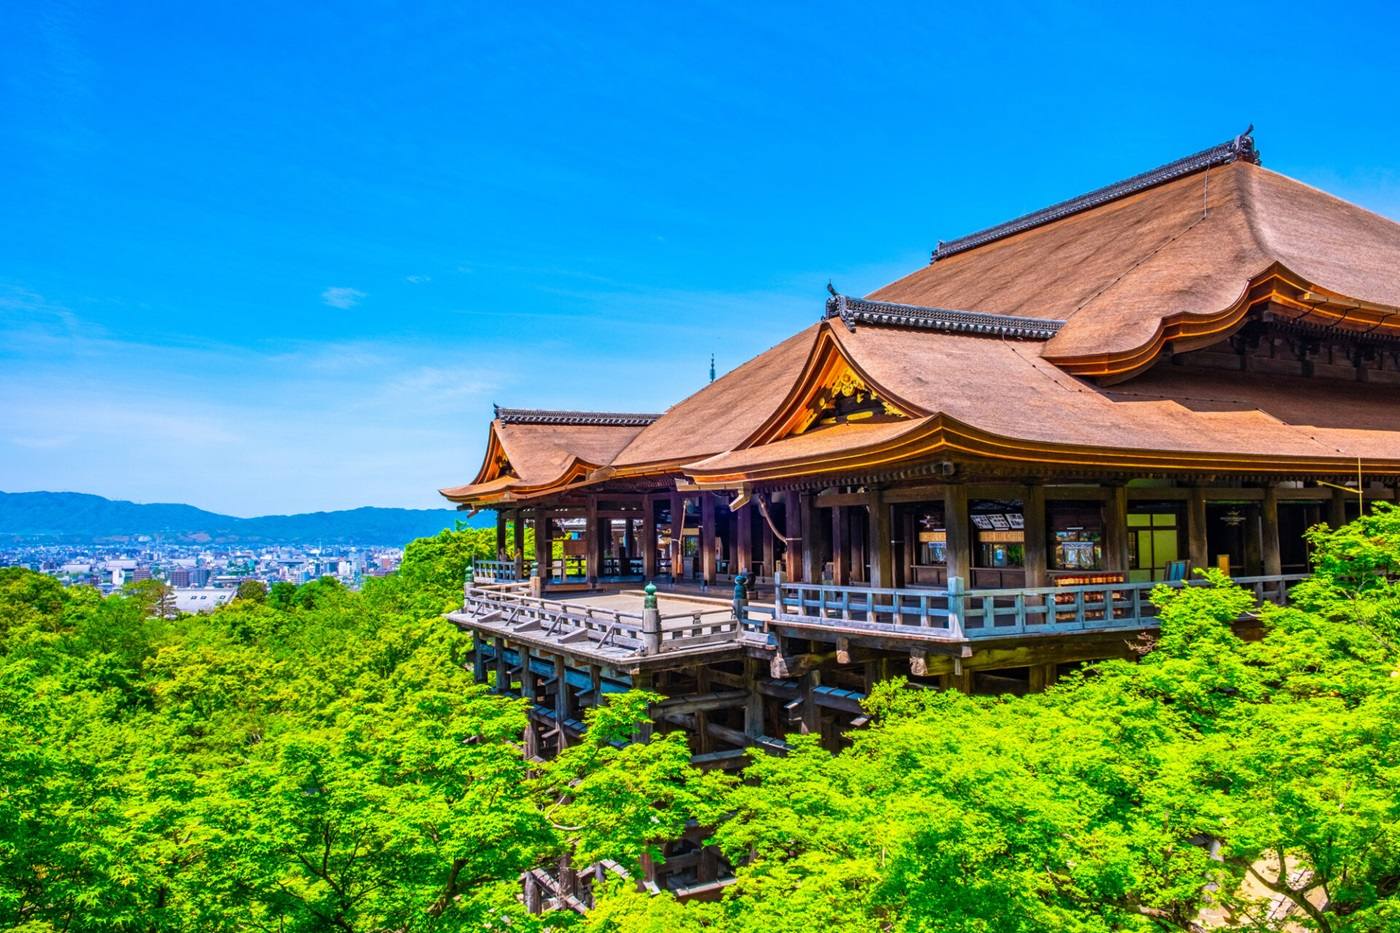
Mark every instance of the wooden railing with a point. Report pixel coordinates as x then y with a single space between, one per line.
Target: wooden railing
570 622
955 614
497 571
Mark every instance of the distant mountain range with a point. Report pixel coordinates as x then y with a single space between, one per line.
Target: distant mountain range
77 518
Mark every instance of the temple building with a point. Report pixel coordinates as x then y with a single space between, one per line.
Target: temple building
970 477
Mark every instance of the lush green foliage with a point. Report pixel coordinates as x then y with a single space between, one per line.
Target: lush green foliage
316 759
1156 795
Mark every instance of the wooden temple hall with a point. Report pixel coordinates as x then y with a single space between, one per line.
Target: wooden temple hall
971 477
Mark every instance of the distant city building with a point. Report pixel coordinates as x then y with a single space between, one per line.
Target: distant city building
200 599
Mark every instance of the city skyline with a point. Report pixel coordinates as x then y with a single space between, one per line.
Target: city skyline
263 273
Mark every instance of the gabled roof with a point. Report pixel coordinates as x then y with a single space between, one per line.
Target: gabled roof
723 413
1178 257
981 353
533 452
1000 400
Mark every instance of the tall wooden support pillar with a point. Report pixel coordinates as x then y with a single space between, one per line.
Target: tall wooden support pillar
562 710
1197 544
840 549
595 540
500 534
644 680
1034 549
629 543
649 537
502 668
529 691
518 549
753 708
743 538
478 660
812 540
1115 528
796 533
1268 527
881 546
703 744
707 538
958 549
1337 509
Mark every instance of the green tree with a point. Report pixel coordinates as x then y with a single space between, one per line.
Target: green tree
254 591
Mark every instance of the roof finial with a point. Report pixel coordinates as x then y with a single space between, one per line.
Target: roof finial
831 288
712 367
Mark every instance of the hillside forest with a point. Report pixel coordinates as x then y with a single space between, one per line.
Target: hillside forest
315 759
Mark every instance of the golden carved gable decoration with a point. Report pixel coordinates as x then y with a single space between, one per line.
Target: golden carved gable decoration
846 398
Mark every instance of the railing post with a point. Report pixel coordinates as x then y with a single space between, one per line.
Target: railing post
651 622
536 582
956 599
779 607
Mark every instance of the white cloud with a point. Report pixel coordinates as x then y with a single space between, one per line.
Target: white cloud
418 279
338 296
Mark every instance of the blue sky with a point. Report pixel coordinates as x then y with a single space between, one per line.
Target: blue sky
267 257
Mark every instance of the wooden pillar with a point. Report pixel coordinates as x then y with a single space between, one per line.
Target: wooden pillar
881 547
811 541
1253 544
964 681
677 539
561 699
478 660
528 691
528 685
796 533
703 744
1115 528
909 532
542 544
743 545
1042 676
1268 527
840 552
595 540
649 537
753 708
502 669
707 538
595 684
1033 517
770 549
1197 544
959 545
811 713
1337 509
629 543
518 534
500 534
643 680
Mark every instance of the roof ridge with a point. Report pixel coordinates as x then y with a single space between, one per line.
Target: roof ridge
854 311
1239 149
564 417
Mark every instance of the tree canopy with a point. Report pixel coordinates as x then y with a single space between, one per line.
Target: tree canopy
318 759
